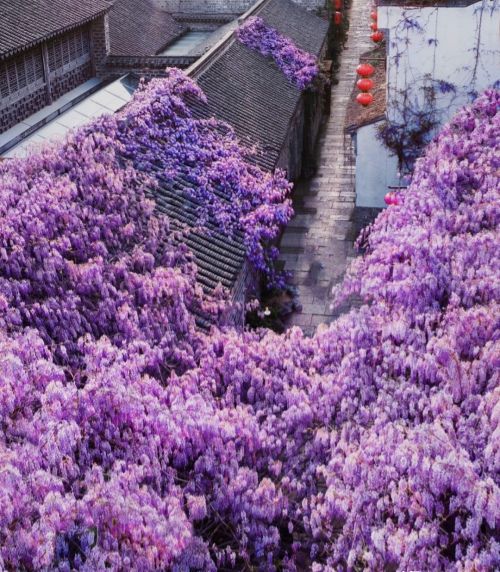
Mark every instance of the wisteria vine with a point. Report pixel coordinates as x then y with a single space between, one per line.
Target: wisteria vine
298 66
374 445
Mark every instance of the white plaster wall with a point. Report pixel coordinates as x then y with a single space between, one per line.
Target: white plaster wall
444 48
376 168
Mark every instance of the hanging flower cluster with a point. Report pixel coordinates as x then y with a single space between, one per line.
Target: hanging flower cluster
373 445
81 249
298 66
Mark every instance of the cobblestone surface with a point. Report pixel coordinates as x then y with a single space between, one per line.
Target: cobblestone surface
318 244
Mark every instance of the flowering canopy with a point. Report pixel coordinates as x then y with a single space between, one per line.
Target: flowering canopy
299 67
82 251
373 445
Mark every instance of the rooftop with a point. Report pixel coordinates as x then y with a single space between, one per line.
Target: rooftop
249 91
140 28
304 28
25 24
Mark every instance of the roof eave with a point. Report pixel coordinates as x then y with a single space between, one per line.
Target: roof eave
42 39
355 126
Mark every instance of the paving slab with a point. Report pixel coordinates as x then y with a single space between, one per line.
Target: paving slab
318 244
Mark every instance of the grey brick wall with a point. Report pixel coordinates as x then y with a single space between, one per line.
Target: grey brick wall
144 66
13 114
68 81
100 46
235 7
62 80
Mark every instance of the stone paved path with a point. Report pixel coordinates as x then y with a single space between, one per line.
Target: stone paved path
317 245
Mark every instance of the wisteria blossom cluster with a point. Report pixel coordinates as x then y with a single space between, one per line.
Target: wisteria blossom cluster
299 66
374 445
81 249
159 134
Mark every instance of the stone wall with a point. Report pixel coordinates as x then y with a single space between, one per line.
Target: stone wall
233 7
298 156
245 288
22 108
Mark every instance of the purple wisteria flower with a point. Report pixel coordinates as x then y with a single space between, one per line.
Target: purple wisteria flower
299 66
129 440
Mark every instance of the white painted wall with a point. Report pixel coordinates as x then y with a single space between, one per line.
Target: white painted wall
441 45
376 168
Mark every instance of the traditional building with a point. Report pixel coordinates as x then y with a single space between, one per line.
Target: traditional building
268 113
374 166
46 50
251 93
440 55
226 9
245 89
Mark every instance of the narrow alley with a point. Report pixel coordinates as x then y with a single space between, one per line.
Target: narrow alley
318 244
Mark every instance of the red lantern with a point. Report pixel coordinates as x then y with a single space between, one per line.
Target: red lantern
364 84
391 198
377 36
365 70
337 18
364 99
337 4
374 26
373 15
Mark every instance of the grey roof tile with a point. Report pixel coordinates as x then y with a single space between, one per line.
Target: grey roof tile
248 91
24 24
307 30
140 28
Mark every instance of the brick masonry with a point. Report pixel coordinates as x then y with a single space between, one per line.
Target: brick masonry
235 7
22 108
318 244
145 66
100 44
61 81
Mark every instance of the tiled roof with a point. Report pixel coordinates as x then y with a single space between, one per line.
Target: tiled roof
249 92
24 24
219 256
357 115
139 28
306 30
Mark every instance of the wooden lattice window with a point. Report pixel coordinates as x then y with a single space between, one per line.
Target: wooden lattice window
20 76
69 51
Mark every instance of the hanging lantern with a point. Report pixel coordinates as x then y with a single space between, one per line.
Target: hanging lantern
377 36
389 198
337 4
365 70
364 84
373 15
364 99
374 26
337 18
